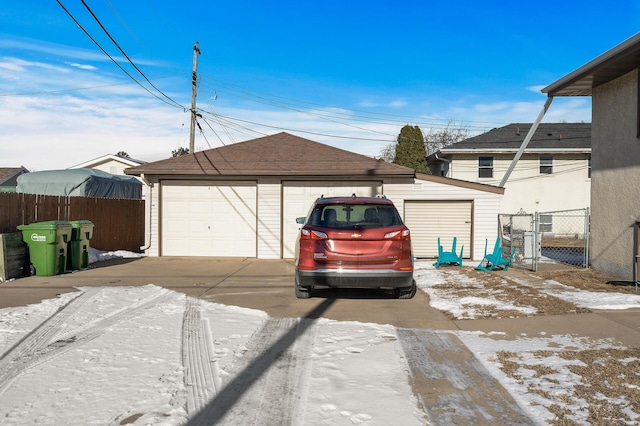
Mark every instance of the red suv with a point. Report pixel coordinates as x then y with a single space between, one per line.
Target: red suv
354 242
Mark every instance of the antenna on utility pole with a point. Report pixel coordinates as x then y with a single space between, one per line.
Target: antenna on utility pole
192 134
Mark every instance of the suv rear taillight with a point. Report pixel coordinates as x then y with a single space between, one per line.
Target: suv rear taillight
306 234
398 235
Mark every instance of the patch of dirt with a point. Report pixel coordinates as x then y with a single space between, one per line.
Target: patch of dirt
499 287
562 242
608 391
590 280
591 386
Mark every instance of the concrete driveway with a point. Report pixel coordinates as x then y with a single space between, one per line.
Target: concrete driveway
266 285
438 361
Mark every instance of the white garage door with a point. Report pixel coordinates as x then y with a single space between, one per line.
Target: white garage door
429 220
297 198
208 218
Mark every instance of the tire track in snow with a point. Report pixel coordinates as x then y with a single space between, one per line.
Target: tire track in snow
45 332
198 358
455 388
269 381
37 348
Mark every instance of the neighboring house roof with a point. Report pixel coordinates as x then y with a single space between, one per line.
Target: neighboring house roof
106 158
8 175
612 64
281 154
548 138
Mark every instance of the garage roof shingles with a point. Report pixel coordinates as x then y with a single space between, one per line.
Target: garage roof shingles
275 155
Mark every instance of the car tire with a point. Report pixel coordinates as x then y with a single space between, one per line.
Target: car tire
302 294
407 292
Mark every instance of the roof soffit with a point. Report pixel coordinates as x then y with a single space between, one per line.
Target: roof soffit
609 66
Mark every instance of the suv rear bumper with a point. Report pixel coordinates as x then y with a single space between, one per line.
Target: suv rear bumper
361 278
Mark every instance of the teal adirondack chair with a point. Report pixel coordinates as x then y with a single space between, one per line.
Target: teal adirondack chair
449 257
492 261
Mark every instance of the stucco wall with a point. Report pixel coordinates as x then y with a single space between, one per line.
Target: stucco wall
615 175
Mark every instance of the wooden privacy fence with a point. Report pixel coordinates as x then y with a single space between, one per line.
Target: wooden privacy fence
118 223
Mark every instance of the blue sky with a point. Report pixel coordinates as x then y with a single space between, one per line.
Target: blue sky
349 74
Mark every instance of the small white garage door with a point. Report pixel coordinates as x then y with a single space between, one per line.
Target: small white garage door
429 220
297 198
208 219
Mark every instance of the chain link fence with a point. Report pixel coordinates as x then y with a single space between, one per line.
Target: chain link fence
547 240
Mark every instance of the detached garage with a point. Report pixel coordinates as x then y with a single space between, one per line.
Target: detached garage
242 200
430 220
201 218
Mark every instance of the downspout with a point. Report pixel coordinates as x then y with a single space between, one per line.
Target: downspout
444 160
148 203
526 141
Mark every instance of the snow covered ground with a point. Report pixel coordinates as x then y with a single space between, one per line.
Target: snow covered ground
150 356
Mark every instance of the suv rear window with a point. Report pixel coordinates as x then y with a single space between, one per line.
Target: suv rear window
354 216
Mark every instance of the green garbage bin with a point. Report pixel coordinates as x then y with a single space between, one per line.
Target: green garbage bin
78 247
47 243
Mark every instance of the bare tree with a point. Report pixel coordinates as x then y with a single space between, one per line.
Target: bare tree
388 152
438 138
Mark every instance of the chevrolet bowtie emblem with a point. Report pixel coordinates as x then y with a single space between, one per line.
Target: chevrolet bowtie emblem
356 235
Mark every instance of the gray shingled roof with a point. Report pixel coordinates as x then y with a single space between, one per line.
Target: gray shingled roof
551 136
8 174
281 154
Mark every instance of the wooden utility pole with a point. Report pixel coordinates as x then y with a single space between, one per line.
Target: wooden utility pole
194 75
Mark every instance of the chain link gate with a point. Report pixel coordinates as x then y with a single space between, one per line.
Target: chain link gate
516 230
547 240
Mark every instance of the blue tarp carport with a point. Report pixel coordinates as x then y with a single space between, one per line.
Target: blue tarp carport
81 183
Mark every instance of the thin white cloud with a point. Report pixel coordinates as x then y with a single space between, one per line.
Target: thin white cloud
398 104
20 65
536 89
491 108
21 44
489 115
371 103
57 132
83 66
40 46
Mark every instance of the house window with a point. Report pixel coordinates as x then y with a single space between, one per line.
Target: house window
546 164
113 170
546 223
485 167
589 166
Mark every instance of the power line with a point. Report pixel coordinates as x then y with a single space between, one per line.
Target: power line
304 131
370 116
124 24
125 55
112 59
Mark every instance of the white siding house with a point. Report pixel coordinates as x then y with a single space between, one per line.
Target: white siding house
109 163
554 172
